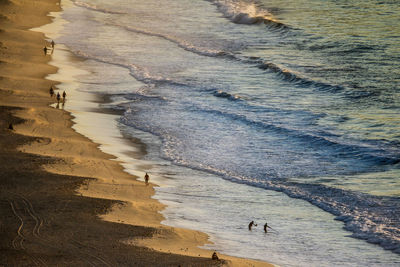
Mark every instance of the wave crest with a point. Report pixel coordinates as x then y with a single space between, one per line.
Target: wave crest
179 42
95 8
248 14
291 76
283 73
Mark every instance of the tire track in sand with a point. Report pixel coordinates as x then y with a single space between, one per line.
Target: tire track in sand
19 236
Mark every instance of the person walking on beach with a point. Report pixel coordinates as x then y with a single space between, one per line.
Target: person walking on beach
51 91
52 43
146 178
58 98
45 50
251 225
64 95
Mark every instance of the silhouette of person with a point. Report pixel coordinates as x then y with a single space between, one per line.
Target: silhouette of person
52 43
265 227
58 97
51 91
45 50
251 225
146 178
64 94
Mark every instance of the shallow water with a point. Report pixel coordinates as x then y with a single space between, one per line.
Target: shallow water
235 99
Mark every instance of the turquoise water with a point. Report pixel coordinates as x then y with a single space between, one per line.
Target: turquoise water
285 111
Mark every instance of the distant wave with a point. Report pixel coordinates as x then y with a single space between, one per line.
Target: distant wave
181 43
226 95
291 76
141 95
245 13
371 155
143 75
364 155
95 8
139 73
285 74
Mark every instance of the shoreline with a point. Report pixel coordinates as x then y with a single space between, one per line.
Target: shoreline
53 145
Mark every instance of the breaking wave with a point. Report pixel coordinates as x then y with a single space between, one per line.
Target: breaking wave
248 14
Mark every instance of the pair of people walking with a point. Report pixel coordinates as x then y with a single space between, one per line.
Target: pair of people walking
59 97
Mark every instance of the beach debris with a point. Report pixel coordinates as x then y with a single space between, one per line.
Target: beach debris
10 126
214 256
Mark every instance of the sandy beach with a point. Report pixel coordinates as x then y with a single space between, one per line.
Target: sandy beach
48 215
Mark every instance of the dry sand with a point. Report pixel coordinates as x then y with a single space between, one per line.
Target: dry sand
57 188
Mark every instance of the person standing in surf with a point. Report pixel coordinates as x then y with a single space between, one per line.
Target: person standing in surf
251 225
266 227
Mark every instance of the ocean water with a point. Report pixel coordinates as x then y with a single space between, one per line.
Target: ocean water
278 111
